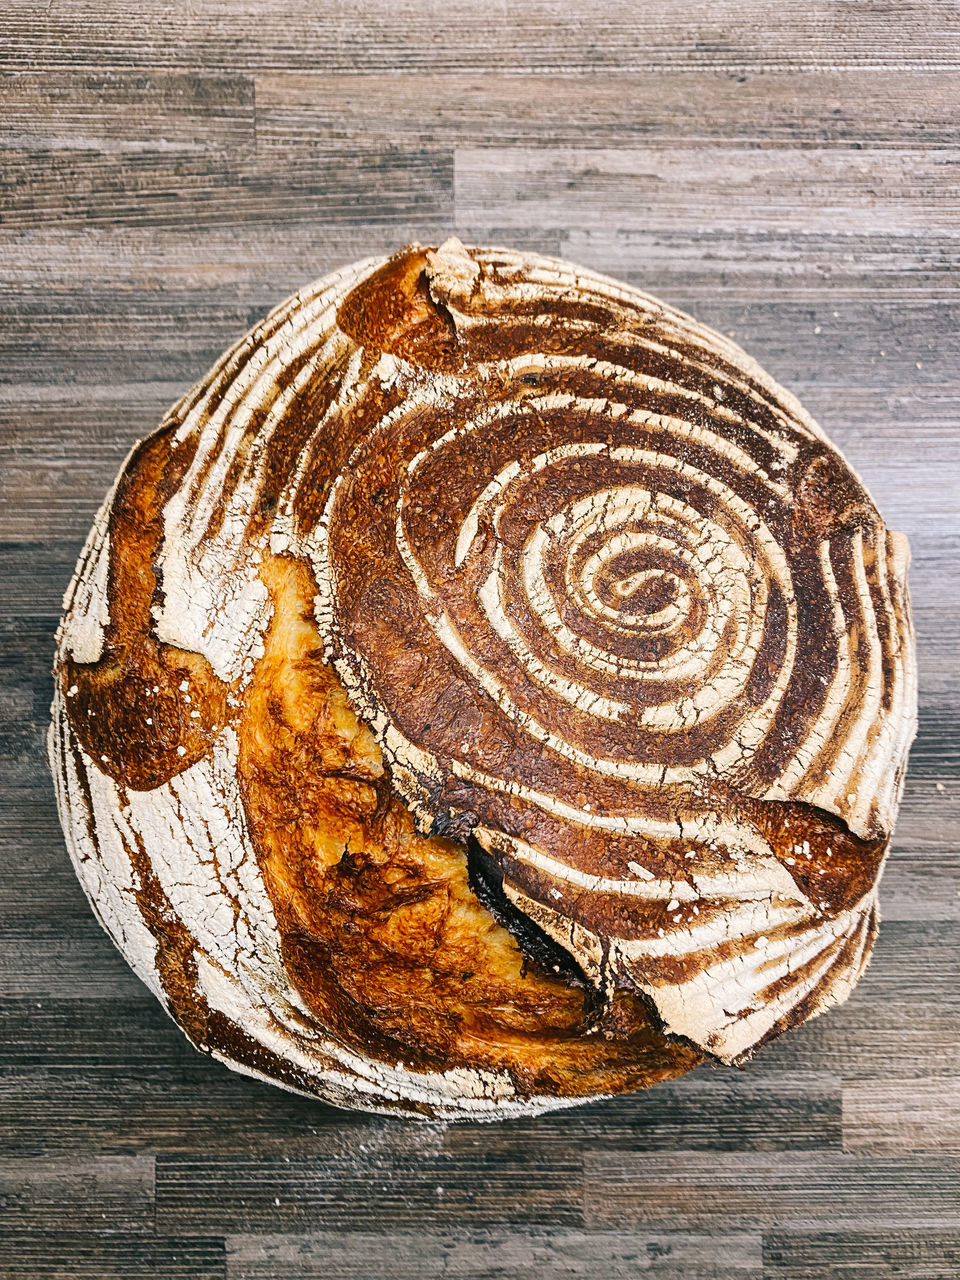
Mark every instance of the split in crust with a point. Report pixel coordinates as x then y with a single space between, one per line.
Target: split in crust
486 691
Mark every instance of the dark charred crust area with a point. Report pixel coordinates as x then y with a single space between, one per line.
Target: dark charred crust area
541 952
133 709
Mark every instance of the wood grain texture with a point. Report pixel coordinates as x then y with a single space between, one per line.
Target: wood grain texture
787 173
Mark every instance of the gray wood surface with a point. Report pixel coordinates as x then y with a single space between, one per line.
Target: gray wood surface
789 173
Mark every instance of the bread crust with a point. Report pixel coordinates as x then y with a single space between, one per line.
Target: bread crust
469 559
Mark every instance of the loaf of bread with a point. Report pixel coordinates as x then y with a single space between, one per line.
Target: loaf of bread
487 690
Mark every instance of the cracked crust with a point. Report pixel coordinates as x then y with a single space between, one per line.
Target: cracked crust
469 549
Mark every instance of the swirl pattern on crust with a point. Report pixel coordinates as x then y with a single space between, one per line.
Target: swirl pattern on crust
608 600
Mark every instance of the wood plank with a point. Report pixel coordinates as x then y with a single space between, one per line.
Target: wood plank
265 261
722 1192
157 187
891 1116
905 951
862 1255
802 262
856 190
61 1254
493 1255
871 1039
877 342
118 111
88 1193
713 1109
921 885
165 1096
298 114
566 36
71 955
64 1033
365 1189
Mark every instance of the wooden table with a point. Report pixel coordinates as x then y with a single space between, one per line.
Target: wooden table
786 172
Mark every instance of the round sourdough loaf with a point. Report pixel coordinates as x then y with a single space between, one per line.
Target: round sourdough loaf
487 690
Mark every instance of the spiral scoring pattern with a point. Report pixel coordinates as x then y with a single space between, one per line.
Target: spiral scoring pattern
657 610
605 594
612 598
